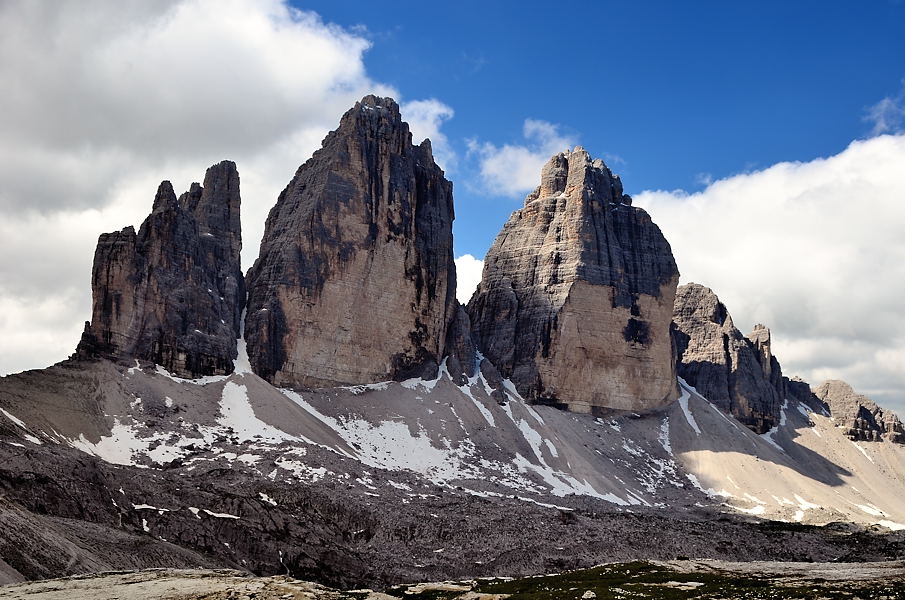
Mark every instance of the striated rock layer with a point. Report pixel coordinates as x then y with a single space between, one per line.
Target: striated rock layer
860 416
355 281
173 293
576 297
738 374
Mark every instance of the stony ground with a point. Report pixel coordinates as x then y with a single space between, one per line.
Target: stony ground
652 580
114 468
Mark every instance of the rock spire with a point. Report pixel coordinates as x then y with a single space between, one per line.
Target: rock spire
173 292
355 281
576 297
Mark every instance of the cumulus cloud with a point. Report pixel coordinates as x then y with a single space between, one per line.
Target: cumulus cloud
512 169
888 115
468 276
815 251
425 118
104 100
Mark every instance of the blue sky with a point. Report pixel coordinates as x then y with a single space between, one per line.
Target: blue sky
766 139
670 94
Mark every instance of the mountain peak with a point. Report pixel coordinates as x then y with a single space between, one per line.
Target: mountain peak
355 281
173 292
577 294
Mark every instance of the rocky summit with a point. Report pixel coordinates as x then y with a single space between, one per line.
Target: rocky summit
737 374
576 297
173 293
858 415
355 281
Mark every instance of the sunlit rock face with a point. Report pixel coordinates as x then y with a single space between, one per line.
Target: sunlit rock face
858 415
173 292
577 293
355 281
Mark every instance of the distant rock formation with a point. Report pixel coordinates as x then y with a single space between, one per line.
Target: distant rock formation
173 293
737 374
800 391
355 281
860 416
576 297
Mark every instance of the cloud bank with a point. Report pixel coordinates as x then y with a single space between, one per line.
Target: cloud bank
815 251
513 169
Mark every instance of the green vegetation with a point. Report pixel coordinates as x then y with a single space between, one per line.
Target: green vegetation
653 582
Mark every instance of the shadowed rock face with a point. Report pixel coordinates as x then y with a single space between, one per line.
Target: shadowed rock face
858 414
576 297
737 374
173 293
355 281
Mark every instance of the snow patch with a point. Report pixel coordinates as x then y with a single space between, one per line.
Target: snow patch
863 451
754 510
237 413
664 436
768 436
871 510
466 390
683 402
804 504
242 365
13 419
221 515
207 379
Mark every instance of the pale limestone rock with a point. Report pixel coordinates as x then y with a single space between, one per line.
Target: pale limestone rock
576 297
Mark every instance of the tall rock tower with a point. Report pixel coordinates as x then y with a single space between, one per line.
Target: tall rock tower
355 281
173 293
576 297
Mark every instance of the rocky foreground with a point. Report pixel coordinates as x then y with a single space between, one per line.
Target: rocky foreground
673 579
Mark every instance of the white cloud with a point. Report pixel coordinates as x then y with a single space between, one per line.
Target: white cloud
468 276
512 169
425 117
814 250
101 101
888 115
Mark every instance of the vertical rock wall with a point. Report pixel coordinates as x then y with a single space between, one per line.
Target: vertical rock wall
576 297
737 374
173 293
355 281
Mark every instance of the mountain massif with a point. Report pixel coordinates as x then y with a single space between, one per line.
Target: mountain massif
336 415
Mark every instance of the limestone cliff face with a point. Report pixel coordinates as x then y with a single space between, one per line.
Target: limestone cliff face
576 297
173 293
860 416
355 281
738 374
